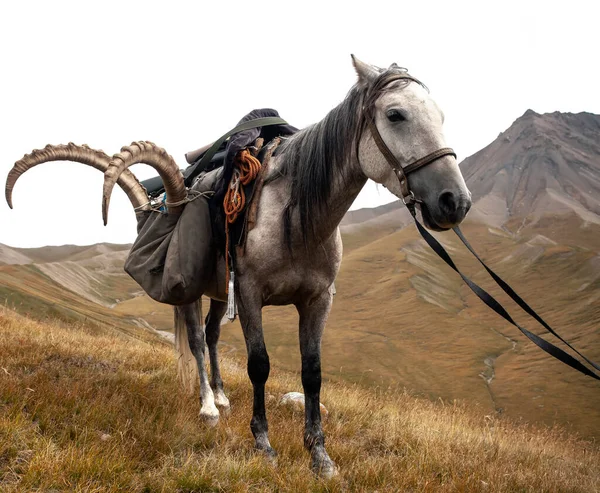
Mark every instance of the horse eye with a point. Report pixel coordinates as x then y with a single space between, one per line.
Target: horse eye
395 116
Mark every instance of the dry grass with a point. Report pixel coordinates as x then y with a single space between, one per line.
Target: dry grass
84 409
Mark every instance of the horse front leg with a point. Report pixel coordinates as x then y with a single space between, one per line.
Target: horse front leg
213 331
192 315
313 315
250 312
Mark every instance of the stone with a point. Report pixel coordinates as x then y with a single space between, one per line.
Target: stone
295 402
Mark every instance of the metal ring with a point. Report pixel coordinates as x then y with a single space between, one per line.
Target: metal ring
411 198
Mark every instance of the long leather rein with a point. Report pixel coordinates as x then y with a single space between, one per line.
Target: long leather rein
410 201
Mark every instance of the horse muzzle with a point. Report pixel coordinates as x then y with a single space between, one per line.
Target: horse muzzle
450 210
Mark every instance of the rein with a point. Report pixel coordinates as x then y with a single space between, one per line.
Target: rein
410 201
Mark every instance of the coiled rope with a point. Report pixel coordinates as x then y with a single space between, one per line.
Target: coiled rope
246 170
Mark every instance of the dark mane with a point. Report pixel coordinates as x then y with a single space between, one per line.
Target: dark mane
313 157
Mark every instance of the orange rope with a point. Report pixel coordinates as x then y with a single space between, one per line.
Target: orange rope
246 170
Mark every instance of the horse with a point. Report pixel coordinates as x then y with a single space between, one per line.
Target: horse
387 129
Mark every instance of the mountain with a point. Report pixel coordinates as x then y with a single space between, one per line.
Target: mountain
541 164
11 256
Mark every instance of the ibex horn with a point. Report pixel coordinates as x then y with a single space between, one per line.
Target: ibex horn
80 154
151 154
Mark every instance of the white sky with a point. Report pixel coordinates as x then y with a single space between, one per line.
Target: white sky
181 74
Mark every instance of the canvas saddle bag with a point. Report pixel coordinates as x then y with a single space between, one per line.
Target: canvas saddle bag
174 256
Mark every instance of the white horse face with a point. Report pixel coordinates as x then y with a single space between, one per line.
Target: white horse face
410 123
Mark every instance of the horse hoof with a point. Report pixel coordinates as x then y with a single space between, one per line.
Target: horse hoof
222 402
210 416
324 467
271 456
268 453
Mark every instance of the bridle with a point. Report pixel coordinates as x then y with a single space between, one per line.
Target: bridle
408 197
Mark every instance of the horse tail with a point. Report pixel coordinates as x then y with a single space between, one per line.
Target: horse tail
187 368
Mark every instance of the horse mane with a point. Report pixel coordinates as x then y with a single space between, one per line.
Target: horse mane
313 157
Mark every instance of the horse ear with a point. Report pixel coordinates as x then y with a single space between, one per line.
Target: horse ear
366 73
394 67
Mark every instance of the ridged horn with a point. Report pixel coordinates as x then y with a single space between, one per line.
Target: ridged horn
159 159
80 154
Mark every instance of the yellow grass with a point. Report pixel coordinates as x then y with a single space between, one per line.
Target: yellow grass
90 409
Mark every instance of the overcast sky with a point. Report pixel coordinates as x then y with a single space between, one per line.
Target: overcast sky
181 75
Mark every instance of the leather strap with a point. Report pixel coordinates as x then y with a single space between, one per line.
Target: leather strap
409 200
516 298
402 172
430 158
490 301
257 122
390 158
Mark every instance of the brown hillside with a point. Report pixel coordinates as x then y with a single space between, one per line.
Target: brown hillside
402 318
69 252
11 256
94 410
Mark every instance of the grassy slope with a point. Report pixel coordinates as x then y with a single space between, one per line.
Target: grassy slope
93 409
29 291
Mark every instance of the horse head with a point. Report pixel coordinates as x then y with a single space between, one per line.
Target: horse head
402 145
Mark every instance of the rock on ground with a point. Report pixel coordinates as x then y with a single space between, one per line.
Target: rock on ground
295 401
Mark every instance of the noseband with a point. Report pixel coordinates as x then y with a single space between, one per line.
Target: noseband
408 197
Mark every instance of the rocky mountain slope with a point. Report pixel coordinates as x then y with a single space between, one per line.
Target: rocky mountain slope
546 163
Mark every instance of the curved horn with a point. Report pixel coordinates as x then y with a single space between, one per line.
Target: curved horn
80 154
151 154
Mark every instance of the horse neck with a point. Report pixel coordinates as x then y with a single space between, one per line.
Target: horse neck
324 171
344 190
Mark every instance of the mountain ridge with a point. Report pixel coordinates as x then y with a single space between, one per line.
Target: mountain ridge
541 163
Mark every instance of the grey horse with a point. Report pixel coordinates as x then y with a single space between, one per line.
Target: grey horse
294 252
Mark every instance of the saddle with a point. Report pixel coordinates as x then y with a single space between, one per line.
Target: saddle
263 123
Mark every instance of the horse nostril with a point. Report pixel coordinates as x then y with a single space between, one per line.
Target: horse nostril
448 203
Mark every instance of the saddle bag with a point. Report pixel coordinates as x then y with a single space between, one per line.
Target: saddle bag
174 255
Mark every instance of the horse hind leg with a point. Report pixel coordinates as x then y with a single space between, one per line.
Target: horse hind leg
188 322
213 331
313 316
